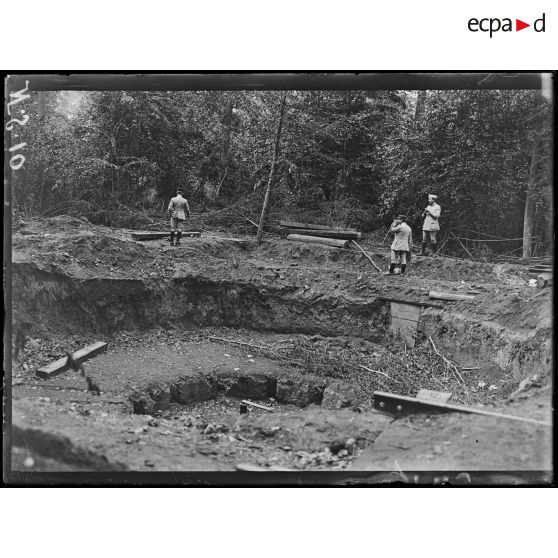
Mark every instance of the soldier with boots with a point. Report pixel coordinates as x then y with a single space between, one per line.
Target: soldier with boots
400 246
178 209
431 225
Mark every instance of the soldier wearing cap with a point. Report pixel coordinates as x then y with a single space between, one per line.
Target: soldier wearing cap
178 209
401 245
431 225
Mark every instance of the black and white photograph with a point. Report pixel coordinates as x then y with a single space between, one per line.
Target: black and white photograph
279 278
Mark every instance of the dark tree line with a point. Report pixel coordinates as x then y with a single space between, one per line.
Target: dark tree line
345 157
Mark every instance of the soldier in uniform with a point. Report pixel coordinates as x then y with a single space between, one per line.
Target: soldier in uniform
401 245
178 209
430 226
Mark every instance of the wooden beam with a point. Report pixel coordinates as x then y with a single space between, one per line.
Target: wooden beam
336 243
158 235
60 365
415 302
449 296
401 405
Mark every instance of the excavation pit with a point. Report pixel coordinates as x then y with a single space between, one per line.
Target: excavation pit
308 331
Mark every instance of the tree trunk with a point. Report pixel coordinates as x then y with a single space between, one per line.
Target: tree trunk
529 214
273 165
420 106
226 141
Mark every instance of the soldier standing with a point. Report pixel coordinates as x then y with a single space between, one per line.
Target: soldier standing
400 246
178 209
431 225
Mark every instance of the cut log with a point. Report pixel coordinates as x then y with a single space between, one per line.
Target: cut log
60 365
544 280
326 233
257 405
293 225
158 235
334 242
449 296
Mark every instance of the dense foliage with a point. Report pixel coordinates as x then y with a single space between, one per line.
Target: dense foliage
346 157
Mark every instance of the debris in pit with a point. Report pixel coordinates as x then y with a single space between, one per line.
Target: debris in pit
256 405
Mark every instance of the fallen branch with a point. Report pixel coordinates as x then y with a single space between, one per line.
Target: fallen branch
249 220
366 255
375 371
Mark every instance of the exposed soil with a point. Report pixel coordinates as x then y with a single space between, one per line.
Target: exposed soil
304 329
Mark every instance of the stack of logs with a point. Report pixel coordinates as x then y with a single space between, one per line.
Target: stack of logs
336 237
543 272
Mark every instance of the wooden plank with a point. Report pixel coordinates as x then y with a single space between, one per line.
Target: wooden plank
158 235
406 328
294 225
257 405
60 365
405 316
405 311
336 243
350 235
449 296
436 396
249 467
415 302
401 404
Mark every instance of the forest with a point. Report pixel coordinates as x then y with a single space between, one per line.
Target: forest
350 158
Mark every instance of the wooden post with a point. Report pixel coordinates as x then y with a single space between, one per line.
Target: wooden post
273 166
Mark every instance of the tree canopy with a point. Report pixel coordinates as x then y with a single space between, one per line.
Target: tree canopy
347 157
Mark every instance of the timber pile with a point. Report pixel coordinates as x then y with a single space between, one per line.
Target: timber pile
334 242
287 228
540 268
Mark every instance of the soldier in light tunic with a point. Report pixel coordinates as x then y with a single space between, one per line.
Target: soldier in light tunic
431 225
178 209
401 245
